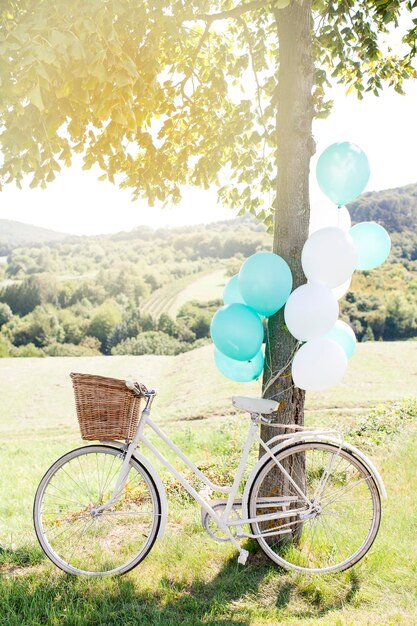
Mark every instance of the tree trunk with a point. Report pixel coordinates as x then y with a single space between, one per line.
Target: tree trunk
292 211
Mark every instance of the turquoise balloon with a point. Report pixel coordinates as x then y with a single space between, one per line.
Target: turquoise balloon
231 291
372 243
342 334
237 331
265 282
342 172
240 371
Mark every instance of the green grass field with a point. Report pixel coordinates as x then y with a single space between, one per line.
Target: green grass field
204 286
187 578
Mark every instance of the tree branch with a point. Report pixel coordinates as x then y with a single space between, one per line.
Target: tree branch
193 59
255 74
236 12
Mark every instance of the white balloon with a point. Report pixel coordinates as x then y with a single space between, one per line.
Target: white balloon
343 219
340 291
319 364
329 256
311 311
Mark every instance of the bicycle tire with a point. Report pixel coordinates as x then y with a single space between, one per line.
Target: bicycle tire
65 459
256 529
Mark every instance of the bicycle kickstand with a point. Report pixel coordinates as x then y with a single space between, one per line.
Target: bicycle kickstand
243 556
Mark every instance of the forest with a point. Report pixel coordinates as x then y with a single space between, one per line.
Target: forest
81 296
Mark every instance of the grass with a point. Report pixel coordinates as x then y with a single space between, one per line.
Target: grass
204 289
204 286
188 579
37 395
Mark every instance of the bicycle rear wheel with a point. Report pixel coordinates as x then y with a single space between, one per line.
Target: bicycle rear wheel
75 538
347 511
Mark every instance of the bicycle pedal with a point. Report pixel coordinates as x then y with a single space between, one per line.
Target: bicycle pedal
243 557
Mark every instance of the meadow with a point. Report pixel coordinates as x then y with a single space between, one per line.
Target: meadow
188 579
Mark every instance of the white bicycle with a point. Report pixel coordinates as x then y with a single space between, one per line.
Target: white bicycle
312 501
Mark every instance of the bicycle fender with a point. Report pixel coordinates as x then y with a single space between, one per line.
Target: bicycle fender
306 438
365 460
158 482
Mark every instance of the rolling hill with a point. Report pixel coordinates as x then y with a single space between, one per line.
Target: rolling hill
395 209
15 234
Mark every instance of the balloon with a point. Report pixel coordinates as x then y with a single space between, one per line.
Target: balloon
237 331
311 311
319 364
265 282
372 243
343 334
343 219
240 371
329 257
231 291
340 291
342 172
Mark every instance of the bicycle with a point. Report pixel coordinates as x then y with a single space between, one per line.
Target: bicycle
99 509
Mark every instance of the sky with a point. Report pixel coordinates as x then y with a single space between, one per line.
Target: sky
77 203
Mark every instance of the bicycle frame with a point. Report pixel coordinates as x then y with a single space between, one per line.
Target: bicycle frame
224 521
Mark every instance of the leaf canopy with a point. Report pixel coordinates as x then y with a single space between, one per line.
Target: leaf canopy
164 93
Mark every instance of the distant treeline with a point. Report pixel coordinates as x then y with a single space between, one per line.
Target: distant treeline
85 296
395 209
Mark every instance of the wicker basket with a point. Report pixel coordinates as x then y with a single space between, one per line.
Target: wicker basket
106 408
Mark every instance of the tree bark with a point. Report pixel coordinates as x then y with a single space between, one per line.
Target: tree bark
292 211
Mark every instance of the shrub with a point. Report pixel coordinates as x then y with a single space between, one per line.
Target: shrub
40 328
70 349
197 316
151 342
4 348
29 350
383 423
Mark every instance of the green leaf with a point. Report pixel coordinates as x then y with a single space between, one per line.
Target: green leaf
35 97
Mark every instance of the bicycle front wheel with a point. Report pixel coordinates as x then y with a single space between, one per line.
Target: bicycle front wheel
73 535
341 525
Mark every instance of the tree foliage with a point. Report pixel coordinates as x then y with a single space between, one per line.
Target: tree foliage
395 209
51 313
162 93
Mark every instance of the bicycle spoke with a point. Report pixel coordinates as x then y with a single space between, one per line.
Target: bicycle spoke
344 490
85 480
337 526
84 542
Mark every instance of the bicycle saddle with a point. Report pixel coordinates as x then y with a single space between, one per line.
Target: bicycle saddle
255 405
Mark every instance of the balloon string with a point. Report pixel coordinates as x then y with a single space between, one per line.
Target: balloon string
276 375
268 347
281 392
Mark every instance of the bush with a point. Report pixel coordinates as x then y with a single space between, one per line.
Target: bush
40 328
197 316
29 350
383 423
71 349
4 348
151 342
